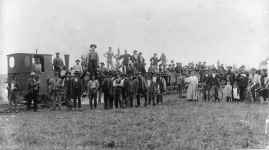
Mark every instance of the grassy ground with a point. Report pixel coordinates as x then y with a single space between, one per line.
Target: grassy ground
177 124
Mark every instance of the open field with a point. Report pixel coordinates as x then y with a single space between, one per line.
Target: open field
177 124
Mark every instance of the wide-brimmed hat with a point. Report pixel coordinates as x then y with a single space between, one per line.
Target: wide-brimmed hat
77 60
57 53
93 45
229 67
32 74
135 51
140 53
154 54
102 63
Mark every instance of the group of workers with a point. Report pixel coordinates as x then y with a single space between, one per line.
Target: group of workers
120 87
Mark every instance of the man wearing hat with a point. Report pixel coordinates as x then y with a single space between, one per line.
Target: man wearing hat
58 63
93 86
117 86
109 54
126 59
140 89
129 90
242 80
33 91
151 68
141 63
67 84
56 86
124 79
178 68
206 81
102 68
161 68
214 79
169 67
93 60
134 59
107 86
77 67
155 89
13 89
154 60
255 84
77 87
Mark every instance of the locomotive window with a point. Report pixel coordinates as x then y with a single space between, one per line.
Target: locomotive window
41 61
11 62
27 61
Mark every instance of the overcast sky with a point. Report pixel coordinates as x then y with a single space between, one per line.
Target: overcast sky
232 31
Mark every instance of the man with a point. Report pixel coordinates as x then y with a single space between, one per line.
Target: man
56 86
129 90
169 67
93 86
206 81
242 80
151 69
77 91
231 78
141 63
178 68
155 88
154 61
13 89
68 89
140 89
126 58
102 68
37 68
163 88
254 83
33 91
161 68
117 85
130 70
180 81
107 86
124 97
109 54
58 63
204 65
77 67
134 59
93 60
214 83
100 77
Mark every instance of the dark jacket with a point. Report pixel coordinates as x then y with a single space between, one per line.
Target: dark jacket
231 78
242 81
79 83
126 58
16 86
107 86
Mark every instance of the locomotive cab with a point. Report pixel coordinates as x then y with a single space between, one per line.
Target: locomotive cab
21 65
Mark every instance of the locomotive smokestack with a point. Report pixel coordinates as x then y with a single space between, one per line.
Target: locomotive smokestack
66 59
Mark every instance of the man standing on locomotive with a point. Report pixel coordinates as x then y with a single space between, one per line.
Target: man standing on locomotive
56 86
154 60
58 64
33 91
109 55
93 60
13 89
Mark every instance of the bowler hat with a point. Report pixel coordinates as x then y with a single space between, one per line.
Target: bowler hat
93 45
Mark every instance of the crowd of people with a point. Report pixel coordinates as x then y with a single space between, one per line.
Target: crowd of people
121 83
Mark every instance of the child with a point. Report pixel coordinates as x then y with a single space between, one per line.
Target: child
228 90
236 93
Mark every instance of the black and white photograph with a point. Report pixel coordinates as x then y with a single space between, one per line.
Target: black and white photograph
134 74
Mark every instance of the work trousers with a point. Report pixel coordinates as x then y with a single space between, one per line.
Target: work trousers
130 98
107 99
93 96
117 98
56 99
100 91
77 96
12 97
32 96
139 93
93 67
242 92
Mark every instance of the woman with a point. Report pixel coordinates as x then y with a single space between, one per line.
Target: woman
193 83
